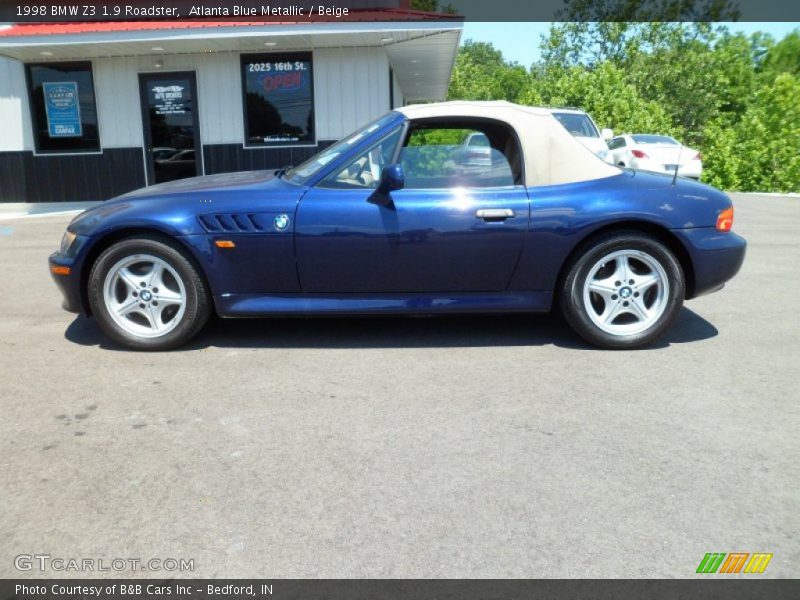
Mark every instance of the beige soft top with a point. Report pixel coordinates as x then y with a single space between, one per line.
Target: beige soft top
552 156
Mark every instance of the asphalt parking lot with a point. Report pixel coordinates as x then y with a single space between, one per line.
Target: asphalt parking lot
454 447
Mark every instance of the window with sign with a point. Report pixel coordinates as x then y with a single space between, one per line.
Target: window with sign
278 99
63 109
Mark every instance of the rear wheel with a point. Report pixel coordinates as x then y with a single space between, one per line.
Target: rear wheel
623 291
147 295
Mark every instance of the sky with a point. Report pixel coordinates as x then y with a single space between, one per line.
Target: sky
520 41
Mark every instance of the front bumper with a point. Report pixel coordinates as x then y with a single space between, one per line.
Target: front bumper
716 257
69 285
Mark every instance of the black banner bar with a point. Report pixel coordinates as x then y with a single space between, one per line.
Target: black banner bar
715 587
29 11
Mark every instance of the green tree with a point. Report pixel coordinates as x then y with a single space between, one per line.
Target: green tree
783 57
481 73
734 98
603 92
432 6
769 138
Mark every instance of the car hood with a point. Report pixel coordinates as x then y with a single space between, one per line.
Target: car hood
173 207
222 181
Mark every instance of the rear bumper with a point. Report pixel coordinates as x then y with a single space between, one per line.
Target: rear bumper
716 257
68 285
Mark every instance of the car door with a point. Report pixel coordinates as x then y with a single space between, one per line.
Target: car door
457 226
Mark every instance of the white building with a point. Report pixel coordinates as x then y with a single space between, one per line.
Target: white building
92 110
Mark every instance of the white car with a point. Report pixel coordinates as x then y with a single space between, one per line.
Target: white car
477 150
658 153
585 130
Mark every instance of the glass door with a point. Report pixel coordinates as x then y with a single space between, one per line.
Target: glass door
171 131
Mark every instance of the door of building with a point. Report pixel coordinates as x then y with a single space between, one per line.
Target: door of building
171 130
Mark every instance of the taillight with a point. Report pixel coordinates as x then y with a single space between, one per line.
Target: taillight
638 154
725 220
698 156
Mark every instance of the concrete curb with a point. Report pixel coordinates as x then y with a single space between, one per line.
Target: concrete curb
776 194
17 210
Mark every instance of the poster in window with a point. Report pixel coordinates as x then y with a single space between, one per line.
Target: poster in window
278 98
168 99
63 109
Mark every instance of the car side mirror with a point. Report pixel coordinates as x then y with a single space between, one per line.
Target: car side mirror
607 134
392 179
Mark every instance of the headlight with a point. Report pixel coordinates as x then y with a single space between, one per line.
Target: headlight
66 242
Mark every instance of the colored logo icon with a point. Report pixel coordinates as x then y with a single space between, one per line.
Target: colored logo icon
736 562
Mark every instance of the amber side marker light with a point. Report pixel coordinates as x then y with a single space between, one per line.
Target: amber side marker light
725 220
224 244
59 270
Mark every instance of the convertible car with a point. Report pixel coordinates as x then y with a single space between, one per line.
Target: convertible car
395 220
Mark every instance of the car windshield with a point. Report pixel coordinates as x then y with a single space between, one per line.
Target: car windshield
303 172
577 124
655 139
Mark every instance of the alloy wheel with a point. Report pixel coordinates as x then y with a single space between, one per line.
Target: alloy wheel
144 295
626 292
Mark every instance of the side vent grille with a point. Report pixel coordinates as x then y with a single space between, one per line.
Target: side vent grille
233 223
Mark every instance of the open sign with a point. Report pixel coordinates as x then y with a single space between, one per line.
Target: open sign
282 82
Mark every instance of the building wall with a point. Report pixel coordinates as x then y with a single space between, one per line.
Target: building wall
397 93
351 87
16 129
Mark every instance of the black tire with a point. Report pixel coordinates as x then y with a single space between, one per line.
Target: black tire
571 293
197 300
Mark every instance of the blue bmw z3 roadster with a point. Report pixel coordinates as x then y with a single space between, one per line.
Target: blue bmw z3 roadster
460 207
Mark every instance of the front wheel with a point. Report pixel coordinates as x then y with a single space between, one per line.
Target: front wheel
147 295
623 291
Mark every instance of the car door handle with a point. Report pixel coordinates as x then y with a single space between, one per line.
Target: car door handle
494 214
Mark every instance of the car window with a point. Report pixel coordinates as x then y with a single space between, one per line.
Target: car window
655 139
444 157
478 139
577 124
616 143
365 170
310 167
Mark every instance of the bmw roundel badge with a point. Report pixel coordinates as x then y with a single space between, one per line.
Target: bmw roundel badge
281 222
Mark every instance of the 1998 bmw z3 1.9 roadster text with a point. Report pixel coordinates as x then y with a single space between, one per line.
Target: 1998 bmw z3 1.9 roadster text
405 217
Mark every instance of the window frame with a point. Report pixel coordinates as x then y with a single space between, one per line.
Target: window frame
290 55
456 121
314 179
398 129
37 146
